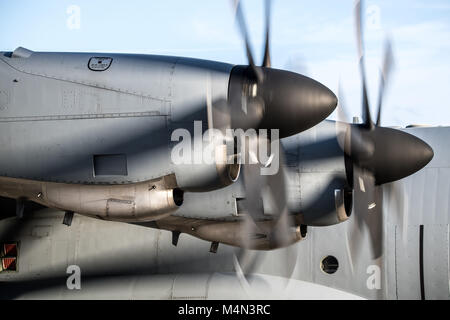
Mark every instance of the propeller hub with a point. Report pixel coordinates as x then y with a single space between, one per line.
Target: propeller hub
284 100
396 154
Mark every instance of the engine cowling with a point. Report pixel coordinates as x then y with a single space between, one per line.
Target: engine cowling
326 199
323 195
206 164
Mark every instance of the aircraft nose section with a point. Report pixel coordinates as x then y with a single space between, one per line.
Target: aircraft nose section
293 102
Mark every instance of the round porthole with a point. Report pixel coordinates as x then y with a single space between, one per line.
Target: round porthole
329 264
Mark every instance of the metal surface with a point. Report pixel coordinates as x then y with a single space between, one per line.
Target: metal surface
146 201
131 108
147 258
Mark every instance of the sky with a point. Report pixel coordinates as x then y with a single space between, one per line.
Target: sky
315 38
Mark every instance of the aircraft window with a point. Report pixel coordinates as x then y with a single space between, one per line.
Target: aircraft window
329 264
8 255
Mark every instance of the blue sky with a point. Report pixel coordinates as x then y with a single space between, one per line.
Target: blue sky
312 37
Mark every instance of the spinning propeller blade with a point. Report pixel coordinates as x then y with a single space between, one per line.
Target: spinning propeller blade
378 155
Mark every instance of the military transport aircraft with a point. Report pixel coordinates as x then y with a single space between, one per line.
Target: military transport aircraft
97 203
